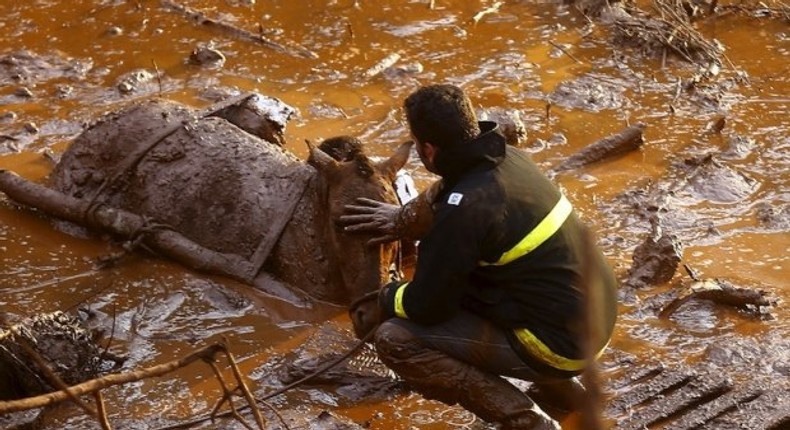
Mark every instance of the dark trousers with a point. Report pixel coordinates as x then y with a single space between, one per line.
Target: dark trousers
475 341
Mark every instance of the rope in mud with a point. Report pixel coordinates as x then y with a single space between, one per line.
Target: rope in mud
348 354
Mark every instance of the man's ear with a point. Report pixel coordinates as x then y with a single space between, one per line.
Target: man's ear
430 151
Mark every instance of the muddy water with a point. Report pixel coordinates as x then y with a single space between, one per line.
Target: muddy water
85 58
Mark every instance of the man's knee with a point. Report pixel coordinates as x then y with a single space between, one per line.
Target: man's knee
395 342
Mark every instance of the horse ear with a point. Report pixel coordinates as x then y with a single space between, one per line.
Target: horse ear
320 159
389 167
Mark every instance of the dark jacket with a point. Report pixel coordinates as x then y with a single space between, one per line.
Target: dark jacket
493 195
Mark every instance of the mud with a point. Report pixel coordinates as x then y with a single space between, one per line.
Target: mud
745 375
696 191
362 378
592 93
731 220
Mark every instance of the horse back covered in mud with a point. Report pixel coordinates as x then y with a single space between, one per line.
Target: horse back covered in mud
221 178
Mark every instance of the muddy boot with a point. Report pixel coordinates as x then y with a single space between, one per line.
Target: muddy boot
563 395
440 377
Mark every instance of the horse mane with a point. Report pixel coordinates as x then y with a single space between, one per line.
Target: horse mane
348 148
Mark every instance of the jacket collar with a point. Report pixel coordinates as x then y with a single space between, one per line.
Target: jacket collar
484 152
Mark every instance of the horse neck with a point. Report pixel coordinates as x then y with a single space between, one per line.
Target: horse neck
301 258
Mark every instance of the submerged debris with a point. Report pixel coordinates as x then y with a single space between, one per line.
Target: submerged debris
655 261
207 56
382 65
723 292
132 81
590 92
61 342
510 123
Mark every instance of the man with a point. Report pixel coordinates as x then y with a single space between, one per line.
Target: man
502 268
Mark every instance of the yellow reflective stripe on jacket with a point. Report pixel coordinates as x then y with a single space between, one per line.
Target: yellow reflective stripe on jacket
539 350
544 230
399 311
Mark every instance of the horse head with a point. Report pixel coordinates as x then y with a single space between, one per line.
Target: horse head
344 176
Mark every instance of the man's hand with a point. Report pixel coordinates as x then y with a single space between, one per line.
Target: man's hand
372 216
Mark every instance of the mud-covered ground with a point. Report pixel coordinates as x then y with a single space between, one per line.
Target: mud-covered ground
711 177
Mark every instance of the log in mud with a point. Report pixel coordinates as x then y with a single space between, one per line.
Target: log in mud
627 140
128 225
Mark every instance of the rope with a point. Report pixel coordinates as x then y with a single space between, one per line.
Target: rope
348 354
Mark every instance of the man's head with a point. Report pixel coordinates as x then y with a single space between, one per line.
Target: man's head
439 117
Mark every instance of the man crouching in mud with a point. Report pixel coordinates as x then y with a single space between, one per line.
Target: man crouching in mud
498 284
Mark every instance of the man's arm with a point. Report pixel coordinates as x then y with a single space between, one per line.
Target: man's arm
392 222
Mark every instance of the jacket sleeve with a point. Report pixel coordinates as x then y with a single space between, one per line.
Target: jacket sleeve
416 217
447 255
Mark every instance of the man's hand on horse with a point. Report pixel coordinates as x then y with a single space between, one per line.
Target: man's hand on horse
372 216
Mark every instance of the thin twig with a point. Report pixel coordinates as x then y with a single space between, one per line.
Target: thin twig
243 387
564 51
281 390
56 281
158 76
227 395
102 411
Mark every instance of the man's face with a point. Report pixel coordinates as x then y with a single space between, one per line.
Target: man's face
427 152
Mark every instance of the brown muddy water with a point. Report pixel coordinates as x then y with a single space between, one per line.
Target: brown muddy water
85 58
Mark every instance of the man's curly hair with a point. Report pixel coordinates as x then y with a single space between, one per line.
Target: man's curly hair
441 115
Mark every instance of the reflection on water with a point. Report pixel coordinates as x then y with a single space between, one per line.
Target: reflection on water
77 60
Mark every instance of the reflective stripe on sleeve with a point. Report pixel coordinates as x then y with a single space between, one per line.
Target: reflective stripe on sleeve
399 311
544 230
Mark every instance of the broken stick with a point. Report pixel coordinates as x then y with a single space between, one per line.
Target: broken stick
382 65
489 10
202 19
627 140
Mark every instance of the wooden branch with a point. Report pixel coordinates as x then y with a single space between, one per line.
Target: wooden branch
281 390
244 389
201 18
94 386
97 384
629 139
126 224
